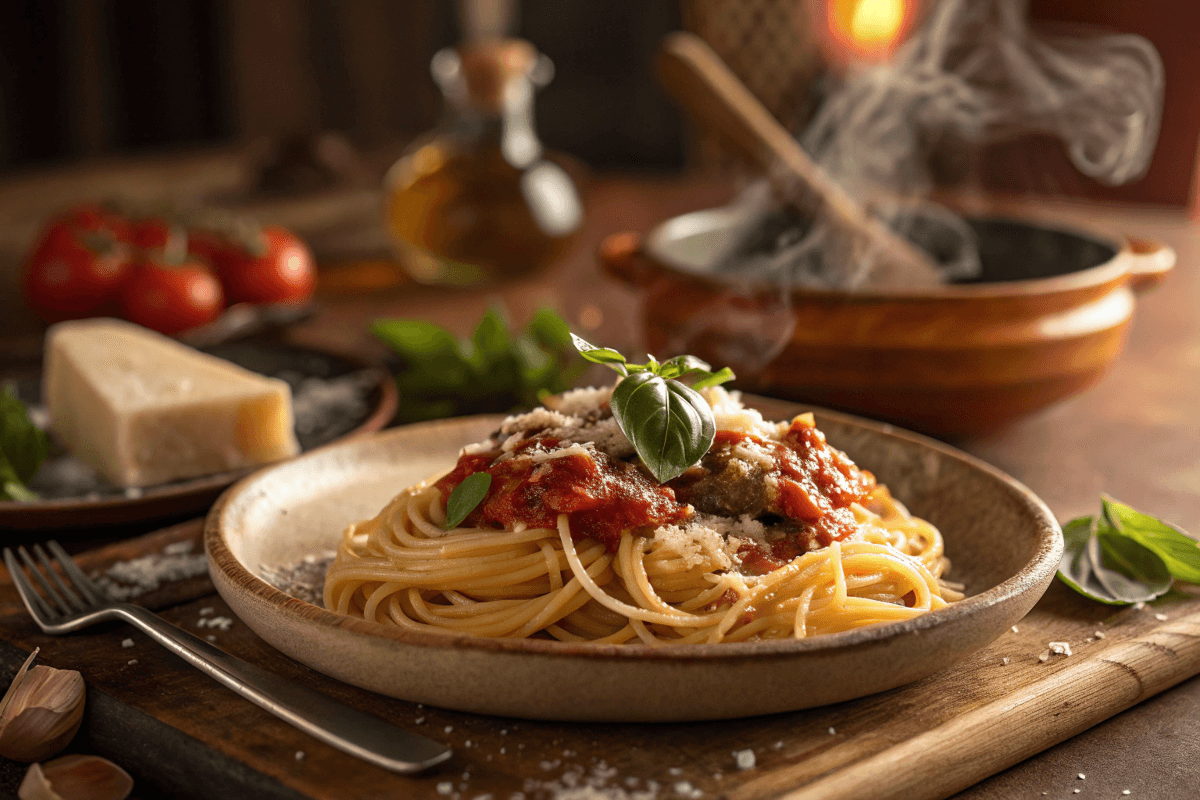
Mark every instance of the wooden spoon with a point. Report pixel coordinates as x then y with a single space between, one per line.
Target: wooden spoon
704 86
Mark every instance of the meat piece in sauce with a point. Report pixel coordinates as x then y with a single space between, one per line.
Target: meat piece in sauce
726 484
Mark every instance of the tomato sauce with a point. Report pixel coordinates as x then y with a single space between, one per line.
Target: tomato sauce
604 497
601 496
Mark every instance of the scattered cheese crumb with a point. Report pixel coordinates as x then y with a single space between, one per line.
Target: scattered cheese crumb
1044 657
1014 629
449 728
419 721
299 755
504 731
1076 791
445 788
675 771
204 612
831 731
1139 605
1004 661
1126 791
745 758
211 637
127 643
1082 776
132 661
1099 634
779 745
1060 648
1161 617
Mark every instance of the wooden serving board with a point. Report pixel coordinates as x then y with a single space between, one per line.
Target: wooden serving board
179 732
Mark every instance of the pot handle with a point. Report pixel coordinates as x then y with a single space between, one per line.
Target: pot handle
621 257
1150 262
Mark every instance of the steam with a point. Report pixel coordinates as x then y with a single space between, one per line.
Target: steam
977 70
974 73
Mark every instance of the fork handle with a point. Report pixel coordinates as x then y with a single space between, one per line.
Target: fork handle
363 735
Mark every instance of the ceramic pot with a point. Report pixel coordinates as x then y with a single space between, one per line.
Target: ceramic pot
1047 317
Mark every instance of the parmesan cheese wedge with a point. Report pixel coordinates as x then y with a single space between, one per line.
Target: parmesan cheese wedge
144 409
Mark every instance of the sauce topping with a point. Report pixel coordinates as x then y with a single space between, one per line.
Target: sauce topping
801 480
601 496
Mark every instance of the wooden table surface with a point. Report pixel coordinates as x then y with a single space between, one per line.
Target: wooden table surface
1134 435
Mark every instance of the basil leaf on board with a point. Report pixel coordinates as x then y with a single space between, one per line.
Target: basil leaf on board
465 497
1092 560
600 355
669 424
1127 569
23 448
1179 551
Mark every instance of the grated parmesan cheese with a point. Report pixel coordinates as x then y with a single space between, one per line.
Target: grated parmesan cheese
574 450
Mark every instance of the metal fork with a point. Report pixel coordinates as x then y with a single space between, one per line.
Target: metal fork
78 603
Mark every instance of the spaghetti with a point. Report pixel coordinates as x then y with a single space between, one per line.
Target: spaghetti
774 534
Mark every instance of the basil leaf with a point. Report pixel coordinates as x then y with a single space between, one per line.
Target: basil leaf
1107 567
549 330
23 448
431 355
683 365
491 342
714 379
1178 551
670 425
465 497
600 355
1127 569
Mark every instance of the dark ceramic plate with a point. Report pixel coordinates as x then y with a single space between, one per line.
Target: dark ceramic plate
334 396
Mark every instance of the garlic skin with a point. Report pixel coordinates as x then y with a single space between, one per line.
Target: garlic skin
41 712
76 778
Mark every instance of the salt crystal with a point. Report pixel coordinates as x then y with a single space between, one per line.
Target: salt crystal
127 643
1014 629
1161 617
1004 661
1044 657
745 758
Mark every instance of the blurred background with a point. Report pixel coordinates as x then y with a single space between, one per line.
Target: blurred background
93 79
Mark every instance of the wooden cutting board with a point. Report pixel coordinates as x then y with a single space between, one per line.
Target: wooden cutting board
182 733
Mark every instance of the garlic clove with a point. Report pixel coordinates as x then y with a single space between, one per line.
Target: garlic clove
76 778
41 712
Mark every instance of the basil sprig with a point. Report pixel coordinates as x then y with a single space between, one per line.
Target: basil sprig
669 423
1123 556
497 369
23 447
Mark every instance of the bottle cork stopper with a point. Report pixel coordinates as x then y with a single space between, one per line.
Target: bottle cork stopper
488 65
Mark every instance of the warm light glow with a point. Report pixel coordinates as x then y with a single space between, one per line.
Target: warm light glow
864 30
877 22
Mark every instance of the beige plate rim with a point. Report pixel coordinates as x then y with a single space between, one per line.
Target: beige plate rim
1037 571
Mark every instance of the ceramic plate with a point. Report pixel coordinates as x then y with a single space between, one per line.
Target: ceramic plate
1002 540
334 396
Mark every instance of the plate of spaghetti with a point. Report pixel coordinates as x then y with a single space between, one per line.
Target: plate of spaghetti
536 566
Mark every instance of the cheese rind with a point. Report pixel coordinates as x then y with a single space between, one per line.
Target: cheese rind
144 409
